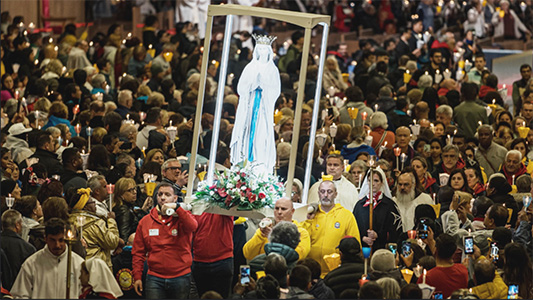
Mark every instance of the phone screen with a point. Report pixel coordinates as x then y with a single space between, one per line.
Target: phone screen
406 248
330 112
469 244
437 295
245 274
494 252
393 248
422 230
513 291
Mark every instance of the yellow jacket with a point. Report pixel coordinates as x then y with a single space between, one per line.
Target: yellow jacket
256 245
100 235
327 230
497 289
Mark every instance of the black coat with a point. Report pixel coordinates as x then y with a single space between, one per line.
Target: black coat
16 249
128 218
320 290
387 221
346 276
49 160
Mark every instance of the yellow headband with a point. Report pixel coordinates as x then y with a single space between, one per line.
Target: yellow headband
84 198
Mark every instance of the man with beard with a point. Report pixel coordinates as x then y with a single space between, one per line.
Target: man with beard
408 198
513 167
328 225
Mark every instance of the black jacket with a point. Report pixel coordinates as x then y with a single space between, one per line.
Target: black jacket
128 218
50 160
346 276
16 249
70 179
320 290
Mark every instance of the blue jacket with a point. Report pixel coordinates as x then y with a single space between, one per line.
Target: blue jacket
53 121
351 153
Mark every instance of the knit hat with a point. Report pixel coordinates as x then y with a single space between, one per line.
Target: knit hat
482 243
8 186
349 247
382 260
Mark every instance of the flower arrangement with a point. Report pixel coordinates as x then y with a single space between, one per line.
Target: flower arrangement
240 187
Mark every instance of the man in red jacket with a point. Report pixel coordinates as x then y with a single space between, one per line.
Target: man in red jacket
164 238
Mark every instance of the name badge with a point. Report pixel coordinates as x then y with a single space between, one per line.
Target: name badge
153 232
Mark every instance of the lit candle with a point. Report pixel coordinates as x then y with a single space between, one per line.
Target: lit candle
364 115
360 177
424 277
434 198
143 151
513 179
376 108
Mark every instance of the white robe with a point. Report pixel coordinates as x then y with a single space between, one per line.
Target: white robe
347 194
264 75
43 276
407 209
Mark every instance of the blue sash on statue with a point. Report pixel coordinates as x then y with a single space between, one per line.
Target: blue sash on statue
255 112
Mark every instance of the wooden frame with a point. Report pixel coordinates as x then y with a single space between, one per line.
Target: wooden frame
305 20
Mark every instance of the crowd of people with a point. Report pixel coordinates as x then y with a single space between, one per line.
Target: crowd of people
418 124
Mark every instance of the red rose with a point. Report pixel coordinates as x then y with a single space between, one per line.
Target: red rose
262 195
213 187
222 193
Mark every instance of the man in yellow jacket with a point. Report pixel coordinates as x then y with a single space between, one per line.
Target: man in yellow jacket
329 225
489 285
283 211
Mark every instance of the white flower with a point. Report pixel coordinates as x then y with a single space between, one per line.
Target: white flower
211 193
229 185
243 187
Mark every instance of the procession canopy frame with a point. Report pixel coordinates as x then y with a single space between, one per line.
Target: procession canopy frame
305 20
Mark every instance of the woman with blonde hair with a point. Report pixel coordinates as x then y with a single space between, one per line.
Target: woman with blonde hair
124 200
333 76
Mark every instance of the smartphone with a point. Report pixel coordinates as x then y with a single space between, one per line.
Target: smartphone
423 230
393 247
406 248
437 295
245 274
469 244
494 252
513 291
427 148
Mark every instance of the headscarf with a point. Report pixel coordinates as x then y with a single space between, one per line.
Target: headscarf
85 194
365 189
101 279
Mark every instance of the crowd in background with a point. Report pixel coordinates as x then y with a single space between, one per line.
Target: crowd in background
451 159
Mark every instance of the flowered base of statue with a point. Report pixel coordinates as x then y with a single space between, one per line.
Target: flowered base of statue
239 192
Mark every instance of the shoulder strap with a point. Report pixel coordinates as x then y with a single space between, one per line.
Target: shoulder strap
380 141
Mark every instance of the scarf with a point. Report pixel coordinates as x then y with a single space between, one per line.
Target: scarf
377 200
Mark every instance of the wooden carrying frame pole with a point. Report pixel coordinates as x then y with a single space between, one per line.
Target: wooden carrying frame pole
305 20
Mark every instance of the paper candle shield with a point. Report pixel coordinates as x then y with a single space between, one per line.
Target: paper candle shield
332 260
353 112
150 187
523 131
407 275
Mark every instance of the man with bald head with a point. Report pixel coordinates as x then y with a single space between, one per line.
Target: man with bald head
328 225
403 136
283 211
489 284
489 154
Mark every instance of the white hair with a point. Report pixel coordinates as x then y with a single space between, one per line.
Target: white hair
378 119
445 109
514 152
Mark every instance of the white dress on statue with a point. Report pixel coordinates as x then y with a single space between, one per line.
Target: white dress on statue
253 134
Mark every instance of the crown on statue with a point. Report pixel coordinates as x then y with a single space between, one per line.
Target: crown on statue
264 39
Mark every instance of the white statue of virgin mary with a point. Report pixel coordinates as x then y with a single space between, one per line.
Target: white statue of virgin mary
259 87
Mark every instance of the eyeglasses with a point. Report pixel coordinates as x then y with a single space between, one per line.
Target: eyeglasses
174 168
132 190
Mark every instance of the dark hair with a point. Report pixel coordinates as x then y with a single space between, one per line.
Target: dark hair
52 188
151 167
80 77
524 66
150 20
469 91
43 139
55 207
481 205
99 158
26 205
411 291
267 288
313 266
371 290
484 272
295 36
499 214
446 246
518 268
300 277
354 94
492 81
153 115
113 120
54 226
69 90
401 103
69 154
465 187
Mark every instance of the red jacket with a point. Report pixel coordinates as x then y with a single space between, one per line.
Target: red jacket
167 243
213 241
